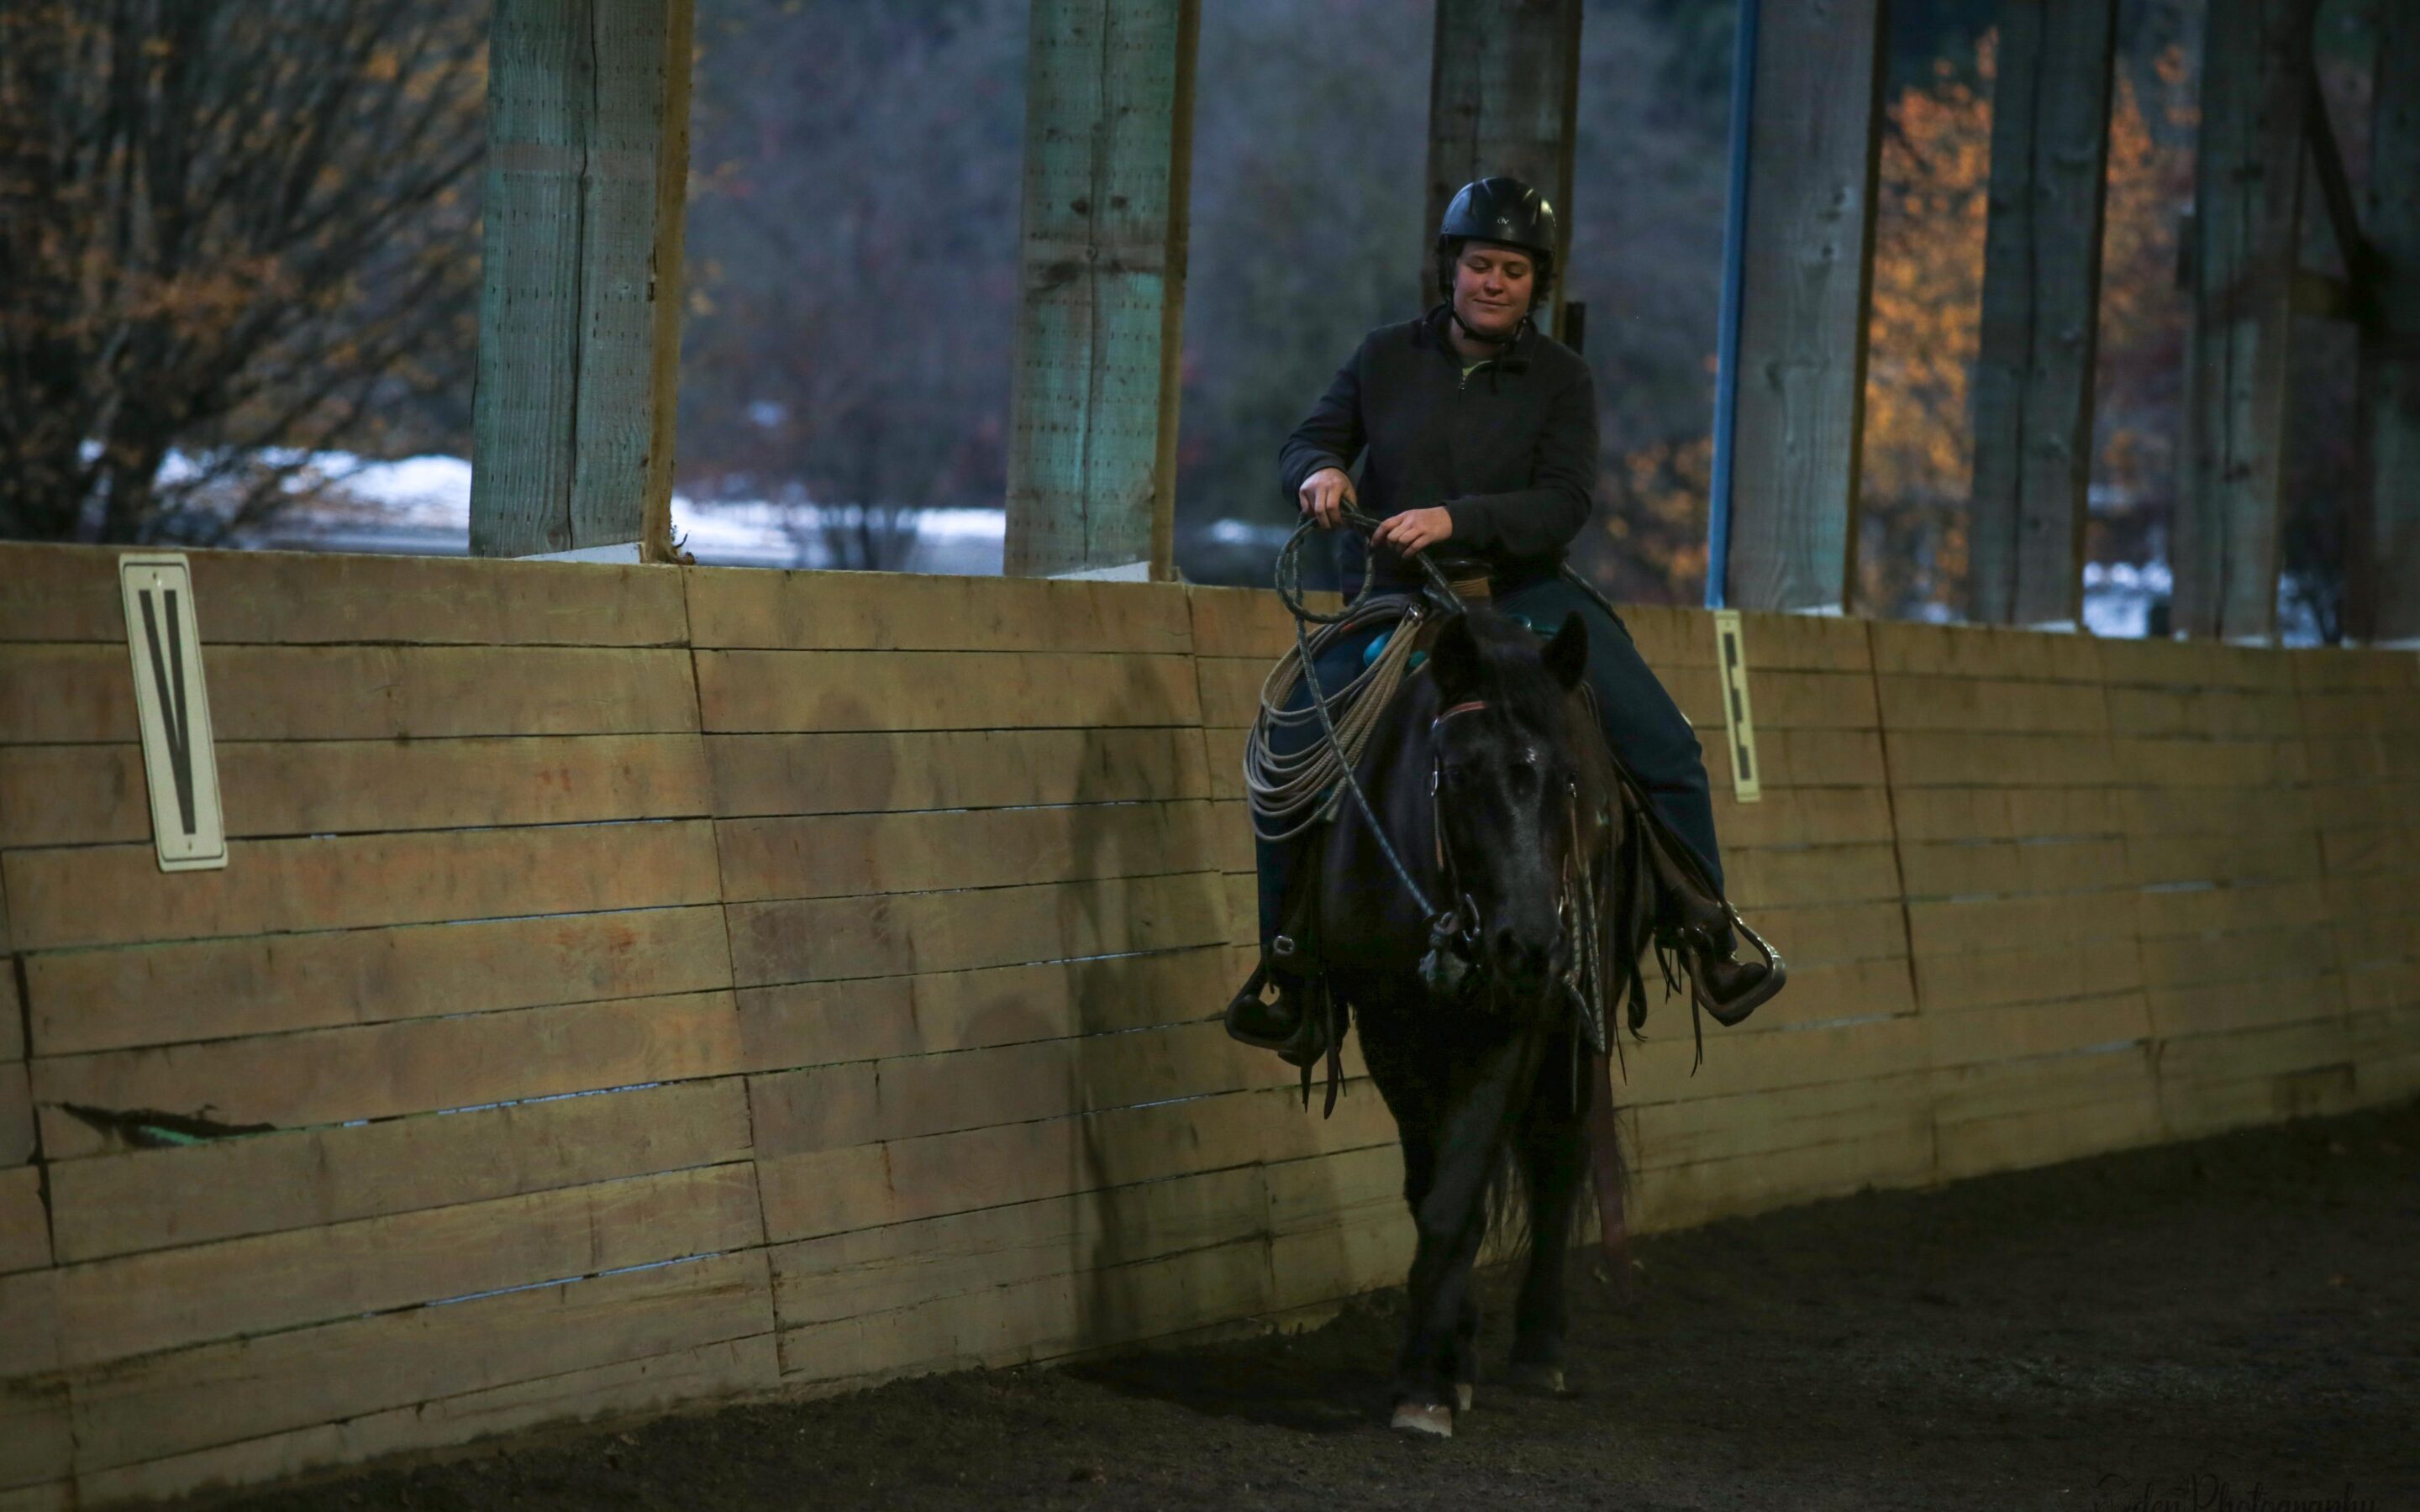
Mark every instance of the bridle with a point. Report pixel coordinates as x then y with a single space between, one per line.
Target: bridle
1455 930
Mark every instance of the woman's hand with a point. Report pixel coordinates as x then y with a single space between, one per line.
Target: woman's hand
1415 530
1325 494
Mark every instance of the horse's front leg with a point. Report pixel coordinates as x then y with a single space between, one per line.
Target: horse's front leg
1553 1148
1451 1218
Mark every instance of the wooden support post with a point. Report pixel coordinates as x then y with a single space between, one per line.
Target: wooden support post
2384 605
1108 150
1504 83
2040 315
580 312
1812 154
2247 219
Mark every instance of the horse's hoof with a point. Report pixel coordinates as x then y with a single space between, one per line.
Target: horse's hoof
1462 1395
1546 1379
1431 1419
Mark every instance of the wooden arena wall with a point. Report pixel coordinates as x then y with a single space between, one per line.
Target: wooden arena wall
668 985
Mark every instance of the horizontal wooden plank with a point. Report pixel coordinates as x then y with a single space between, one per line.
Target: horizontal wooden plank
830 1108
117 894
118 999
1951 927
1802 816
1996 1089
93 794
29 1324
2020 1031
1951 758
1982 652
1790 642
872 1270
2152 859
2037 971
220 1393
1660 1070
1781 698
2227 1006
2203 711
2193 664
1817 934
1977 704
1934 813
2240 955
2265 1051
148 1199
905 934
1972 868
1683 1195
780 690
70 593
85 694
887 771
2040 1136
748 607
37 1444
1823 874
2192 1109
2157 812
829 855
1042 1319
2213 909
732 1369
139 1304
1246 622
819 1022
24 1225
325 1076
1823 993
16 1116
2257 762
1667 1135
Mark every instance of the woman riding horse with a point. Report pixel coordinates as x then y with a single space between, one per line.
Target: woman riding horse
1479 437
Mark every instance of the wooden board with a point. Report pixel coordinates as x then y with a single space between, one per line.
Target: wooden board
1905 648
154 1198
37 1442
117 895
2021 1031
138 1303
24 1224
903 933
2037 971
647 1386
52 694
884 771
218 1393
1683 1195
1970 869
1909 702
17 1144
778 690
1948 758
383 1070
807 1024
833 1108
876 1270
111 999
750 608
1040 1320
831 855
93 794
70 593
2006 813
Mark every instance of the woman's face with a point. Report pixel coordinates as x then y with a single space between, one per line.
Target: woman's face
1492 286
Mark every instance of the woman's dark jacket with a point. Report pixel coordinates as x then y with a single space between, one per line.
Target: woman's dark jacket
1511 452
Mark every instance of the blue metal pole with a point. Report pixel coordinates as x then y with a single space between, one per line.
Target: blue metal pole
1718 513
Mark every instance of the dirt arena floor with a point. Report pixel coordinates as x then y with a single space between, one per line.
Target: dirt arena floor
2233 1324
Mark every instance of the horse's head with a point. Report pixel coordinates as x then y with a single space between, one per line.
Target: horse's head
1504 770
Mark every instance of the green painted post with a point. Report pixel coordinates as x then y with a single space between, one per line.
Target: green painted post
1108 118
579 314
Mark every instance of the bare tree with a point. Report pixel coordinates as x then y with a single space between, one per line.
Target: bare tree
226 227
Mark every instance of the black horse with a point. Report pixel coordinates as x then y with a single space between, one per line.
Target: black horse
1492 782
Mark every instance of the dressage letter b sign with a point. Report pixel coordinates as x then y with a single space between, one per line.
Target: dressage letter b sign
164 638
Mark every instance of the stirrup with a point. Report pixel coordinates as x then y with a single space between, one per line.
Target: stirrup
1731 1013
1300 1047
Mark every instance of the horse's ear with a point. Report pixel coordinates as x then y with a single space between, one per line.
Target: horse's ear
1453 659
1567 652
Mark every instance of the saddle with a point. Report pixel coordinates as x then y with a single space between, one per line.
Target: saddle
1672 904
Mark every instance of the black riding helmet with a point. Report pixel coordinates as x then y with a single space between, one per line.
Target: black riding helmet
1504 210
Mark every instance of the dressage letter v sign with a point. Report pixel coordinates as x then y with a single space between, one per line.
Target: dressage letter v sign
178 760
